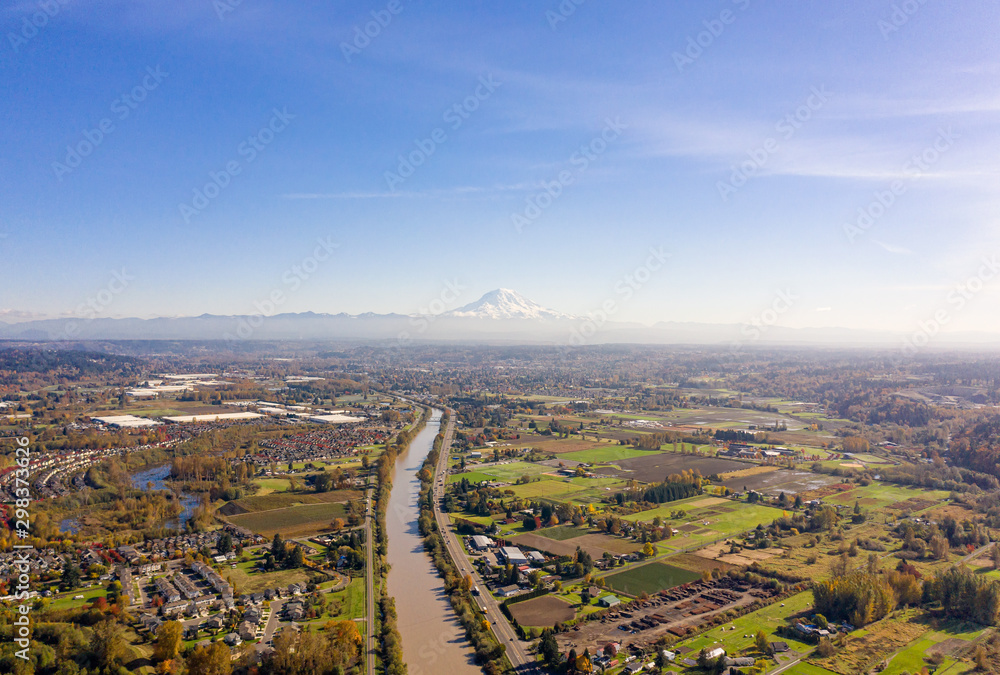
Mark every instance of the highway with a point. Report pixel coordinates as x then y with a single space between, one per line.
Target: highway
517 651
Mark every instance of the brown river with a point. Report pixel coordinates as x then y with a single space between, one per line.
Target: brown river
433 640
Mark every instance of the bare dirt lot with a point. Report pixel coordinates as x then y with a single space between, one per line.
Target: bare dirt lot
594 544
696 563
655 468
745 557
544 611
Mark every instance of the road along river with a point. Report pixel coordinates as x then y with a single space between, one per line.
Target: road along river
433 640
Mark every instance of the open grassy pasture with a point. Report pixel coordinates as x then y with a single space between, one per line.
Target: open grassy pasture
707 520
650 579
352 598
246 581
610 453
505 473
66 601
897 499
563 532
269 485
280 500
653 467
294 521
547 487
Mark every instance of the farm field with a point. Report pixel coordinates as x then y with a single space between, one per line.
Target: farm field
655 467
505 472
792 481
551 488
611 453
563 532
269 485
896 498
544 611
729 418
650 579
712 521
594 544
295 521
281 500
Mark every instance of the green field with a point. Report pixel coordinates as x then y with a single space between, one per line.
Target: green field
353 598
650 579
506 473
703 525
547 487
269 485
292 521
66 601
282 500
608 454
880 496
563 532
245 580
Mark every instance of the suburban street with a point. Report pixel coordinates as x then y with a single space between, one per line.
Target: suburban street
277 605
522 661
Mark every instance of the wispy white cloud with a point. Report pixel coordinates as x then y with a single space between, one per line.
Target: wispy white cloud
892 248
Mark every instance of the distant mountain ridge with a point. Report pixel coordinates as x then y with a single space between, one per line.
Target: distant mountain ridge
501 315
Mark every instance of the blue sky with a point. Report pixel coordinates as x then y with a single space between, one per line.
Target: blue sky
740 138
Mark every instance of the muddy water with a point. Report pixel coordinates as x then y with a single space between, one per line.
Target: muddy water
433 640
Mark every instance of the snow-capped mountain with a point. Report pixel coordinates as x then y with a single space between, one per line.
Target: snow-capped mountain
504 303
